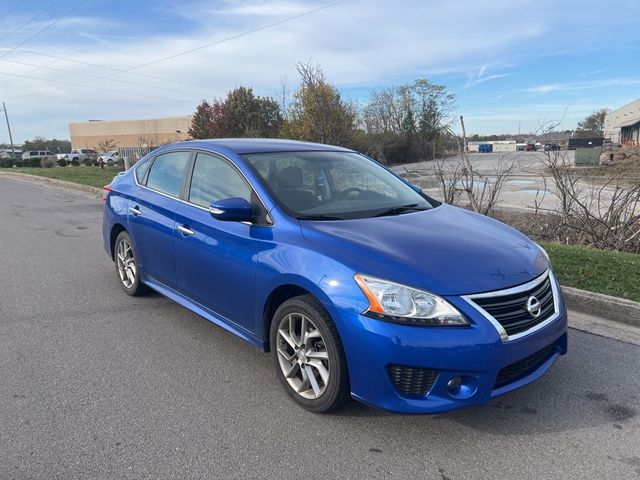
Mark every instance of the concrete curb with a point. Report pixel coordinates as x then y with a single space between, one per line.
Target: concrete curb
600 305
54 181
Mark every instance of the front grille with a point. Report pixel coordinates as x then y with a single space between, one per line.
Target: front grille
518 369
511 310
415 382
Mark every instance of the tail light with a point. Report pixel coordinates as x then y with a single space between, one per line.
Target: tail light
105 192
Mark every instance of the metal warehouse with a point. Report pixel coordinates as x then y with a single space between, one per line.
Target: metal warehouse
623 125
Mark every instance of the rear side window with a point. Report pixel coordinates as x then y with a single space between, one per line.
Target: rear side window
214 179
141 169
167 172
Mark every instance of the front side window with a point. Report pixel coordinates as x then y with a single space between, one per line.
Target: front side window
334 185
167 172
214 179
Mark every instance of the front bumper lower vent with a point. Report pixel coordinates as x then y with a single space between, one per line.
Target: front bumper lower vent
516 370
411 381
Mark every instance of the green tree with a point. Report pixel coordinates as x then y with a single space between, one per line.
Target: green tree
593 124
251 116
53 145
317 112
407 122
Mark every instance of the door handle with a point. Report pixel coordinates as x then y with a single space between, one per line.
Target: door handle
135 210
184 230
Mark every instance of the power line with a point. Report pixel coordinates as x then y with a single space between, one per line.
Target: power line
89 64
11 9
238 35
130 70
49 25
155 97
30 20
99 77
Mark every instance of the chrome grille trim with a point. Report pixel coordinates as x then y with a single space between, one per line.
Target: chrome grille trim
514 290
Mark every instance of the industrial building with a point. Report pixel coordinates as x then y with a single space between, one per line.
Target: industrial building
129 133
623 125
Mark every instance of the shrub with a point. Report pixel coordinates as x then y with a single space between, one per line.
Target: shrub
75 162
18 162
33 162
6 162
62 162
47 162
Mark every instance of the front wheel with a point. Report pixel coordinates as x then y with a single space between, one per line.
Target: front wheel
127 266
308 355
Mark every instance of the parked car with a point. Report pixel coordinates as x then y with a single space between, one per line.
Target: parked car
357 282
38 154
109 158
85 156
531 147
551 147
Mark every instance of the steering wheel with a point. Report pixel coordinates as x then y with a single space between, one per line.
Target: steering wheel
349 190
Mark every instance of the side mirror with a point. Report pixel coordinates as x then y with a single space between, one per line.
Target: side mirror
232 210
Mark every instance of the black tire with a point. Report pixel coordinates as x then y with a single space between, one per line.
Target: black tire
136 287
337 388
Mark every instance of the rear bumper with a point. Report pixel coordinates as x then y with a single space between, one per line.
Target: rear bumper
476 355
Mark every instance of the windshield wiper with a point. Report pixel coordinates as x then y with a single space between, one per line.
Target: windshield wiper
319 217
412 207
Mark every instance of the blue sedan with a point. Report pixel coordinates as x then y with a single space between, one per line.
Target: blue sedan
358 283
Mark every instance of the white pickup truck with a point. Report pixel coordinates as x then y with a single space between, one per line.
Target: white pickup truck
84 156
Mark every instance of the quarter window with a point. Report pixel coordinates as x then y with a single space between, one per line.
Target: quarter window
167 172
214 179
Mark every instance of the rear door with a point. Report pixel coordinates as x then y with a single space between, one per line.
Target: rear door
216 260
152 215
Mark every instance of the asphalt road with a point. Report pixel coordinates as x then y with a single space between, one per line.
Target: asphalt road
95 384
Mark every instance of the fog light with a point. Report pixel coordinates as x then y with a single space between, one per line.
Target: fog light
454 384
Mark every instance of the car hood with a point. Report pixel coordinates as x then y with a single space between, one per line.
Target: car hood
445 250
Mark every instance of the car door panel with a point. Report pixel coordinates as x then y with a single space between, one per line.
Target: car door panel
215 264
151 215
152 222
216 260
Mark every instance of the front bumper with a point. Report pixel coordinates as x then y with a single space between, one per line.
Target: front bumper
475 354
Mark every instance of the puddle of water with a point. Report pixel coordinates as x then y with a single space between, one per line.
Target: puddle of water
535 190
520 182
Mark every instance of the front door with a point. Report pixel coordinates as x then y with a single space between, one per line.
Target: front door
216 260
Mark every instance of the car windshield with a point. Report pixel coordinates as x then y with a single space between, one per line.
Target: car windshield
334 186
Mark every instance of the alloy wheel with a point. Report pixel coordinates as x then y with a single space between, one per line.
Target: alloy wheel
303 356
126 263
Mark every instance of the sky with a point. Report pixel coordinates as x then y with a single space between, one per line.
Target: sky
512 64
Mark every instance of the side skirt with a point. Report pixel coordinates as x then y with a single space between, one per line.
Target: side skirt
205 313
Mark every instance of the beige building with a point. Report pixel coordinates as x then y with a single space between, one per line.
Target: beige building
623 125
129 133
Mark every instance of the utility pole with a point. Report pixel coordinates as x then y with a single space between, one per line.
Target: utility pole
13 149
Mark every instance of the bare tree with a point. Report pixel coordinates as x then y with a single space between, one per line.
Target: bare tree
604 214
106 145
480 190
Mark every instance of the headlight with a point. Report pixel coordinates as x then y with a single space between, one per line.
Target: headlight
401 304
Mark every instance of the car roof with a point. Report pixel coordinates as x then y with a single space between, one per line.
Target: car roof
243 146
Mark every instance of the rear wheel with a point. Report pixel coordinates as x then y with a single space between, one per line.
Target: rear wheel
308 355
127 266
